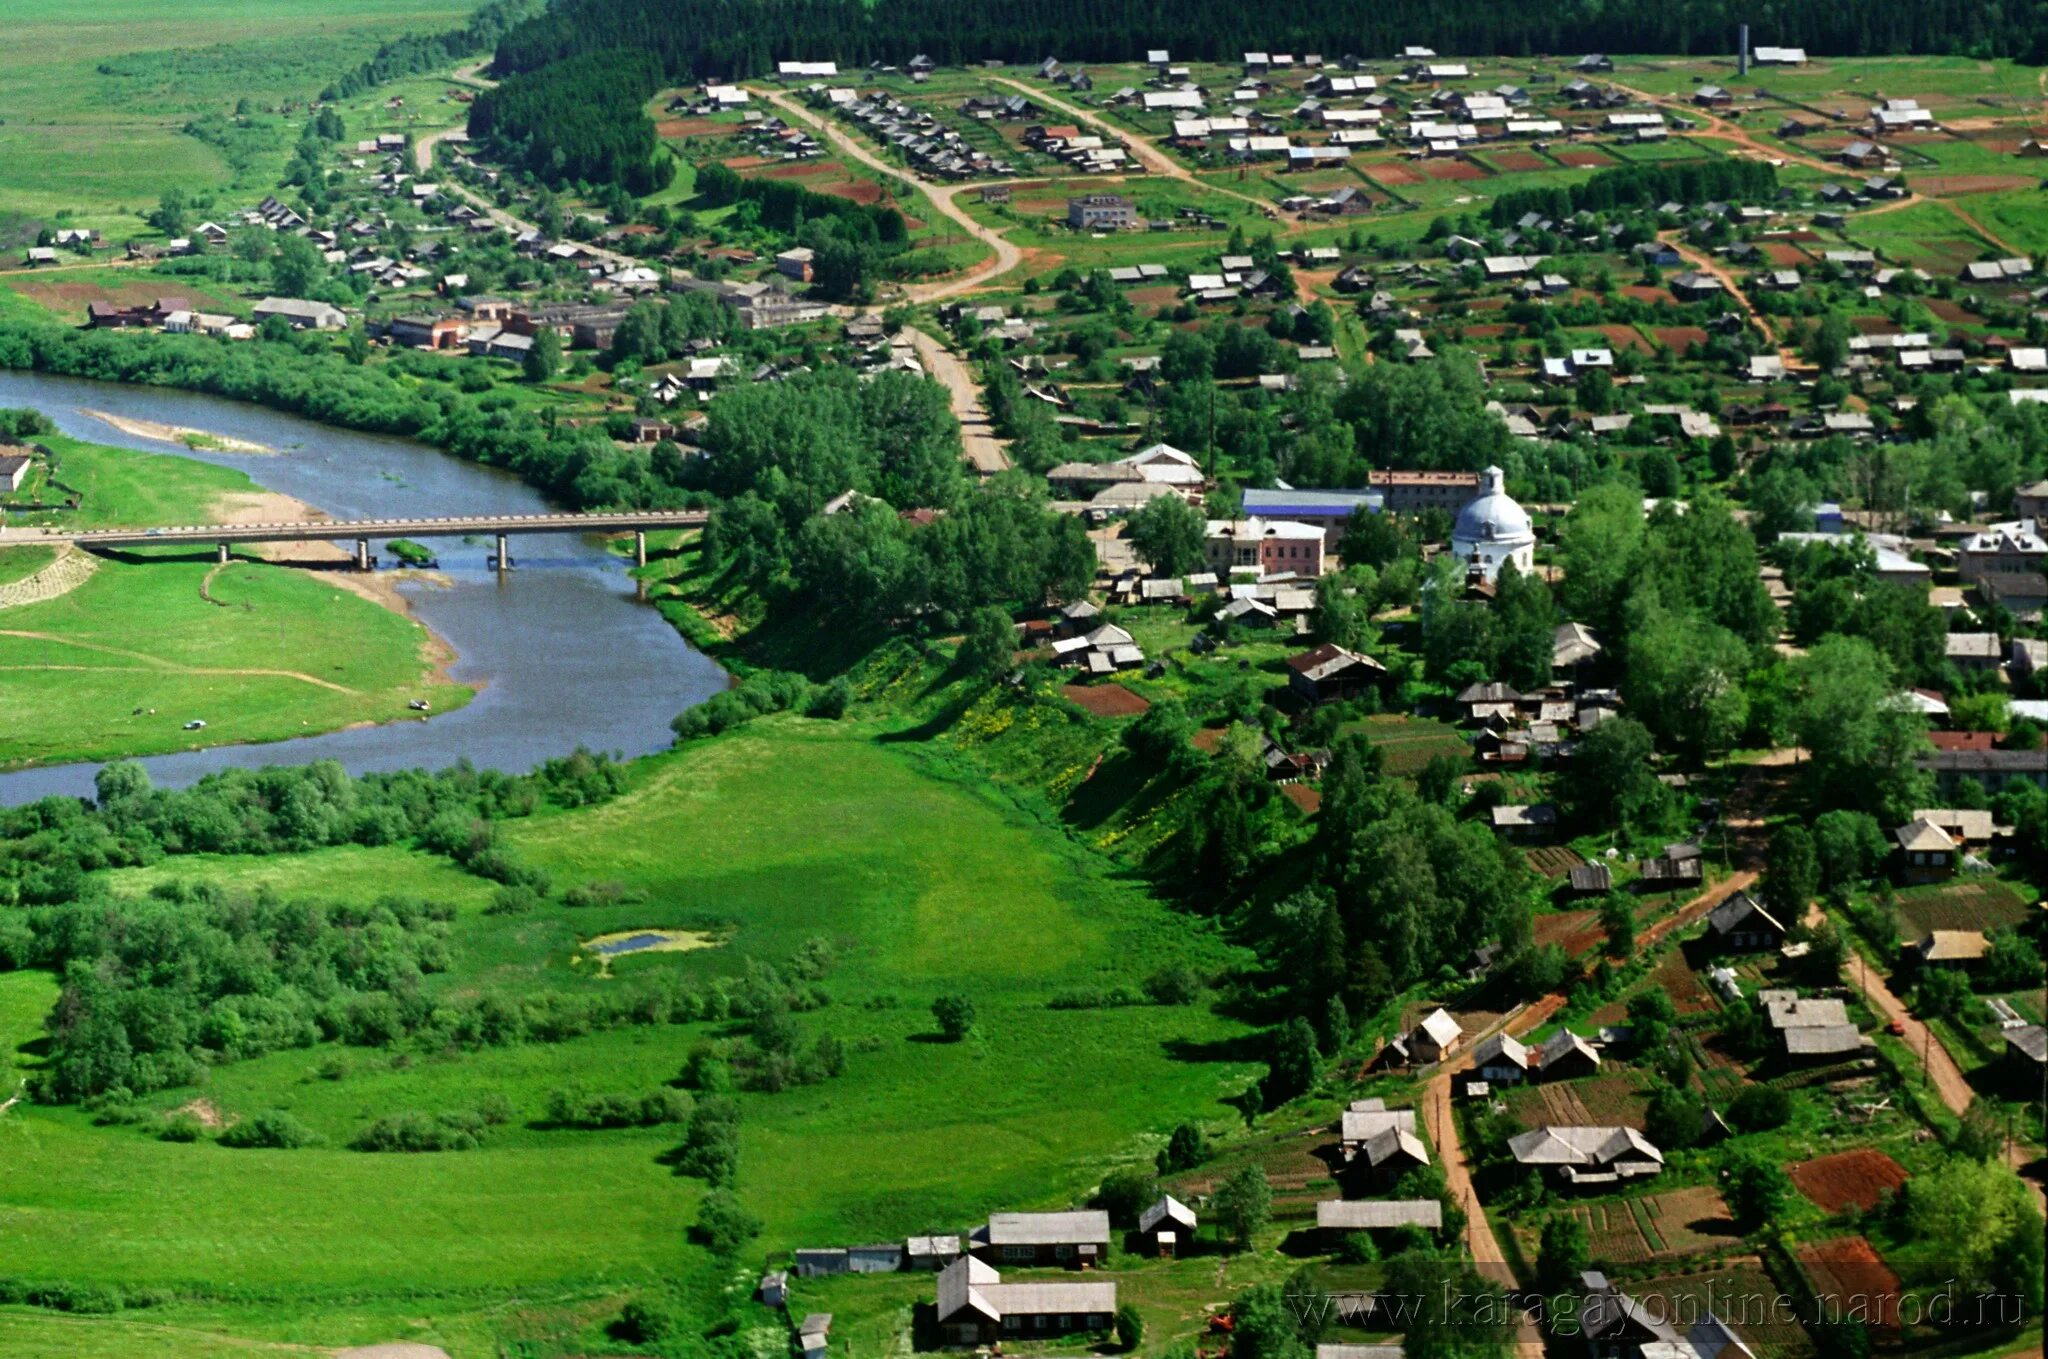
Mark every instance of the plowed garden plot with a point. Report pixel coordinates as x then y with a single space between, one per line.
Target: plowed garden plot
1601 1101
1593 159
1409 743
1661 1226
1308 800
1624 337
1848 1177
1678 339
1393 172
1452 169
1573 931
1739 1293
1104 700
828 178
1677 980
1959 906
1553 861
1851 1279
1518 160
1785 253
693 127
1298 1166
1954 186
1643 293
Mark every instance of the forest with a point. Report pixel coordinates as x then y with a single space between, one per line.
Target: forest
418 52
743 38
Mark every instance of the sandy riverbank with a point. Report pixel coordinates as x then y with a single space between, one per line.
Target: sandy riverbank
379 587
178 434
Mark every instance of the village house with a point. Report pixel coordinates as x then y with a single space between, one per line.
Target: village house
1960 949
1435 1038
1587 1157
1379 1144
975 1306
1331 673
1524 821
1076 1240
1341 1217
1742 924
1927 853
1502 1059
1166 1226
1565 1056
1810 1029
14 469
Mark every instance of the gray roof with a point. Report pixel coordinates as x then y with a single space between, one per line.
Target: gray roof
1169 1211
1348 1215
1578 1146
1740 910
1823 1039
1811 1013
1500 1049
1086 1227
2030 1040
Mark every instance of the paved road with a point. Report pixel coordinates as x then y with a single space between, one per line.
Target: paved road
324 530
984 450
1006 256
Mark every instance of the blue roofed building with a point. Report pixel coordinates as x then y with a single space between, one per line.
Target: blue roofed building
1326 510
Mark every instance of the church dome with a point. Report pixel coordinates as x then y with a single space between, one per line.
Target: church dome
1494 517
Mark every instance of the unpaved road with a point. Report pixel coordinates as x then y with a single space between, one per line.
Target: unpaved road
984 450
1006 256
1148 154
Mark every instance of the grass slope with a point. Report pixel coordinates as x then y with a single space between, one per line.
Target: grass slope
785 830
103 142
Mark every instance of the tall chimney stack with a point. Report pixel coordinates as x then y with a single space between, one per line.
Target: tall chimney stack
1742 55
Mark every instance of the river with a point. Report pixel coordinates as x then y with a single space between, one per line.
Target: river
561 651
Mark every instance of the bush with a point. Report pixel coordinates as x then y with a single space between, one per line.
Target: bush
413 1131
1760 1108
271 1128
1130 1327
955 1016
723 1226
180 1128
1176 984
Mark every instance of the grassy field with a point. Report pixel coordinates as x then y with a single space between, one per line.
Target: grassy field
784 831
92 102
117 665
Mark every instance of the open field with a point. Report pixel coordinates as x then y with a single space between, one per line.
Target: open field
101 145
922 885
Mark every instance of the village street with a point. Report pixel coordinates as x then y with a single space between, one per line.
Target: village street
984 451
1006 256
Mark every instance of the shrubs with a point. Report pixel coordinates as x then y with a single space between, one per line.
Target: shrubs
955 1016
761 693
271 1128
1760 1108
711 1147
576 1109
722 1225
412 1131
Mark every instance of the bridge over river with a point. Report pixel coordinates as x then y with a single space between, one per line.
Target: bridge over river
502 526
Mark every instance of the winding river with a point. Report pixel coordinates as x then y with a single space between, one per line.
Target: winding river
561 652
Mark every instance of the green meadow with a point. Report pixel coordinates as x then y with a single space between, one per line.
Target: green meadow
782 832
92 99
156 638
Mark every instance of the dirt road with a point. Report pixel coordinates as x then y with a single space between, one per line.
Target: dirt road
1721 129
984 450
1006 256
1147 153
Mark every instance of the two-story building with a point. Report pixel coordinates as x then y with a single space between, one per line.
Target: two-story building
1274 546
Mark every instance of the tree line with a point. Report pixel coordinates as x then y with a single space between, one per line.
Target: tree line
1638 186
743 38
418 52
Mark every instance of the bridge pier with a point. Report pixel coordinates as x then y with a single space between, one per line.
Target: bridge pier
504 562
640 547
223 554
362 554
